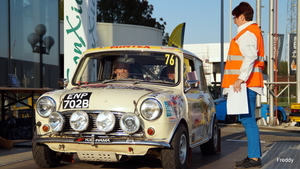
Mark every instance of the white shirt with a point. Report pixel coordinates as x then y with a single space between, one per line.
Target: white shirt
248 46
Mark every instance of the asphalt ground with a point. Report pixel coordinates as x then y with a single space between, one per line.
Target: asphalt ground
280 145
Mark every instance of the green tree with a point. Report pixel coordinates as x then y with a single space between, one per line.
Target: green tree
166 39
136 12
283 68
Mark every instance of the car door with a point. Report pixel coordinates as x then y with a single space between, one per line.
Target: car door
196 96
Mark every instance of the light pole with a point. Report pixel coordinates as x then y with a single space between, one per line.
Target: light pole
43 47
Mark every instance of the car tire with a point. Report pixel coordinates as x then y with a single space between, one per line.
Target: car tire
176 157
44 157
211 147
279 116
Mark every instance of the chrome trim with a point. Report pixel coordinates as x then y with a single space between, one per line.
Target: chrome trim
62 82
72 140
93 140
117 134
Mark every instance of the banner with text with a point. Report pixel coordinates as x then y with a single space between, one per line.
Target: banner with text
80 18
278 51
293 53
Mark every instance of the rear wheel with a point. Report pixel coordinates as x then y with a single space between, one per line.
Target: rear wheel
279 116
211 147
176 157
44 157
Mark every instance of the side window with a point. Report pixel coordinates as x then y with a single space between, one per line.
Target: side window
194 69
188 67
203 85
201 76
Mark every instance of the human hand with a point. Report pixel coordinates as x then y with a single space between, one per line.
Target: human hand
237 85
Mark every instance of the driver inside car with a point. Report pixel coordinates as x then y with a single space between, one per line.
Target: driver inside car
121 71
171 73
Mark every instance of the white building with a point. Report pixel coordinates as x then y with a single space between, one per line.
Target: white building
210 54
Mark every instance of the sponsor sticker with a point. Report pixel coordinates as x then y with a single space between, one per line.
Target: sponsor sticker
99 140
169 110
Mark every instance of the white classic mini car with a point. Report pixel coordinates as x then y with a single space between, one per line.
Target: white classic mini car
126 101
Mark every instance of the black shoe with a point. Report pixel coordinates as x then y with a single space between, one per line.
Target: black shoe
248 164
242 161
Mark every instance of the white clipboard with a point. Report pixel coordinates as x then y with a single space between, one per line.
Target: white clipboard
237 102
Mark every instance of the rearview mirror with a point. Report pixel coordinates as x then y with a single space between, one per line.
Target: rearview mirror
126 60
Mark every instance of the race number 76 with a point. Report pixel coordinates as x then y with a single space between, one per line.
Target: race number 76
169 59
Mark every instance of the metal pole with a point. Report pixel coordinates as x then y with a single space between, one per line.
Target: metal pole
258 12
258 20
270 62
222 43
276 57
41 61
230 20
298 60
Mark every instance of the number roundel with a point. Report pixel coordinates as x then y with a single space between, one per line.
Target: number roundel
170 60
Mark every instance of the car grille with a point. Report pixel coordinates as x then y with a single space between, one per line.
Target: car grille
92 128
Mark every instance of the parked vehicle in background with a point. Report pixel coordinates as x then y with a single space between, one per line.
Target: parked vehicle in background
295 112
126 101
222 116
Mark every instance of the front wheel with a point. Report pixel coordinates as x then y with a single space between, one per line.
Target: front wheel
44 157
211 147
176 157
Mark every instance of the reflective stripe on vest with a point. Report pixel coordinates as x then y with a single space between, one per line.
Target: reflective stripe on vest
235 71
241 58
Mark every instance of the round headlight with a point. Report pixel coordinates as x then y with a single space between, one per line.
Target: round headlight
56 121
45 106
151 109
79 120
130 123
105 121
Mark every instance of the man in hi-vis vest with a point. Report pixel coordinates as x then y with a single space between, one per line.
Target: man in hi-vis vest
245 64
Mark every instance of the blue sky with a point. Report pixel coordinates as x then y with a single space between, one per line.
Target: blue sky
203 18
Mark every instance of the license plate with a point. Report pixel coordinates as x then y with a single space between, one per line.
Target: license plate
77 100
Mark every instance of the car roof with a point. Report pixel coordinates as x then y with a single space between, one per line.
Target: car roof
140 47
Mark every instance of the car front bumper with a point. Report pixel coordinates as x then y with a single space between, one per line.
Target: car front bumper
127 147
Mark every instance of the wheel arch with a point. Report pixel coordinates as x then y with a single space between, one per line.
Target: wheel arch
211 125
184 123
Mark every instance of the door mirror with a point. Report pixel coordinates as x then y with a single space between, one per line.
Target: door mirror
63 83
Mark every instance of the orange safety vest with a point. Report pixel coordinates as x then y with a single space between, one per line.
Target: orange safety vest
235 60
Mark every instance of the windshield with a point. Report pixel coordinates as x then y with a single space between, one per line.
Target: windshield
106 67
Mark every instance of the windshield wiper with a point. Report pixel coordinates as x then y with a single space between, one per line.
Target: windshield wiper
136 81
112 80
109 80
154 81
